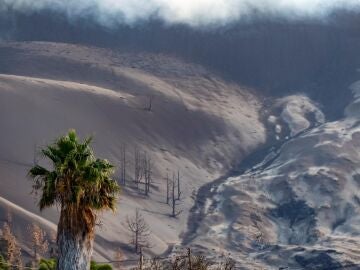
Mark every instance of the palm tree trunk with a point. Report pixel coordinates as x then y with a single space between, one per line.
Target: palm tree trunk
74 252
75 238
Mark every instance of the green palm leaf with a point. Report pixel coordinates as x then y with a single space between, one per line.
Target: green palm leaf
79 183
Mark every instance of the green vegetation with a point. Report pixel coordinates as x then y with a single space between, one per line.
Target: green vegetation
50 264
3 265
81 185
95 266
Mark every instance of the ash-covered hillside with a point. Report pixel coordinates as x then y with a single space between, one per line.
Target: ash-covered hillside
297 204
275 55
260 117
194 126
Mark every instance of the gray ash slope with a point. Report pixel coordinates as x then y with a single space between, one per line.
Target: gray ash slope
298 207
273 55
196 120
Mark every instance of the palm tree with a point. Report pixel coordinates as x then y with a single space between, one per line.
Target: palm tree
81 186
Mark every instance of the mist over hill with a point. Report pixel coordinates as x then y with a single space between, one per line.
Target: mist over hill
273 54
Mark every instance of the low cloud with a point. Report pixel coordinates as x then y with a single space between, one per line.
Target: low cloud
191 12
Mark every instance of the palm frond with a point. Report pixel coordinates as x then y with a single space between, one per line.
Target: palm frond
79 183
38 170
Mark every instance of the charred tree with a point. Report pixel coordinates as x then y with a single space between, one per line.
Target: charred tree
178 185
167 189
139 230
147 167
149 103
174 199
138 169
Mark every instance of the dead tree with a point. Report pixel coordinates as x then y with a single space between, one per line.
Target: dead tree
139 230
227 264
12 248
174 199
178 185
52 245
150 102
189 258
118 258
167 189
123 165
147 167
188 261
141 260
38 241
8 217
138 170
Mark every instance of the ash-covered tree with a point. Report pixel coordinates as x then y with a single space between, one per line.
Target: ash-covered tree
38 241
139 230
149 106
52 249
167 189
138 167
118 258
189 261
12 250
174 196
147 165
81 186
8 217
178 186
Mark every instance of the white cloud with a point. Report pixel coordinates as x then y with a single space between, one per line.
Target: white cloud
193 12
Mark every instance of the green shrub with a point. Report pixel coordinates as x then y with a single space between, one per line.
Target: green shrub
50 264
47 264
3 265
95 266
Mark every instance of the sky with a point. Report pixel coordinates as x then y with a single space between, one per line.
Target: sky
191 12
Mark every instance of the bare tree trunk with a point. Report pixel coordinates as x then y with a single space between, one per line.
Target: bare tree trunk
173 197
75 238
178 185
74 253
139 229
149 106
138 170
189 258
136 241
167 189
141 263
147 173
35 254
